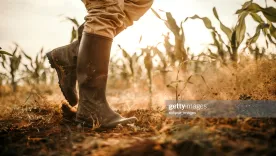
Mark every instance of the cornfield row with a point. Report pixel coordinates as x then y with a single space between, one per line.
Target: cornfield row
150 60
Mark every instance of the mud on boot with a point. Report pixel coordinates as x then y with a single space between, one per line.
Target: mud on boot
92 74
64 61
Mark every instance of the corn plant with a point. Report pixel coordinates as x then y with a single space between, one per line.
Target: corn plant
11 66
74 32
149 67
266 26
221 52
257 52
163 64
235 36
128 63
36 70
178 31
123 69
3 76
169 49
176 84
179 85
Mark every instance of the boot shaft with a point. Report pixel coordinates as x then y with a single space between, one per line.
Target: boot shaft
93 60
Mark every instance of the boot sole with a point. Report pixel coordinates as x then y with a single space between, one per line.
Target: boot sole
108 126
59 73
122 122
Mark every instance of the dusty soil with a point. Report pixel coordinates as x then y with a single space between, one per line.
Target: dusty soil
153 134
31 120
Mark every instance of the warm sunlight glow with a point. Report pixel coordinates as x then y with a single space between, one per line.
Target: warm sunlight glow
48 28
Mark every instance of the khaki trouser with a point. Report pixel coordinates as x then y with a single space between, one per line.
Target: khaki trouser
109 17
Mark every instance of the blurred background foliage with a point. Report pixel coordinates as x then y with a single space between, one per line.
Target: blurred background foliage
175 56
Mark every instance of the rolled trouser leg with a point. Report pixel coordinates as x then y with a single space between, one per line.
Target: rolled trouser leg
104 17
135 9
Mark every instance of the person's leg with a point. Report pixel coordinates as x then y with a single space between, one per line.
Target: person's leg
103 18
134 10
61 57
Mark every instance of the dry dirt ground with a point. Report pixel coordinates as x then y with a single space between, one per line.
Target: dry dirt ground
35 128
31 122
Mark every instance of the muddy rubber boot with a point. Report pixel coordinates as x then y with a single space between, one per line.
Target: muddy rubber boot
92 73
64 61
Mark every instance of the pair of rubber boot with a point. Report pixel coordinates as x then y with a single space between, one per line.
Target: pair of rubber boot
86 61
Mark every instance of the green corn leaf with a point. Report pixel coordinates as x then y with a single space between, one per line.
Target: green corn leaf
234 41
73 20
73 35
264 28
5 53
208 25
3 65
270 39
171 24
27 56
249 7
254 39
225 29
27 68
140 40
216 42
247 4
207 22
36 60
269 13
220 38
125 54
15 50
182 33
3 58
240 29
156 14
272 30
256 17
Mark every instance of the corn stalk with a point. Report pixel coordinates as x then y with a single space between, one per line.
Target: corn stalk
12 66
179 37
36 70
147 52
3 76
